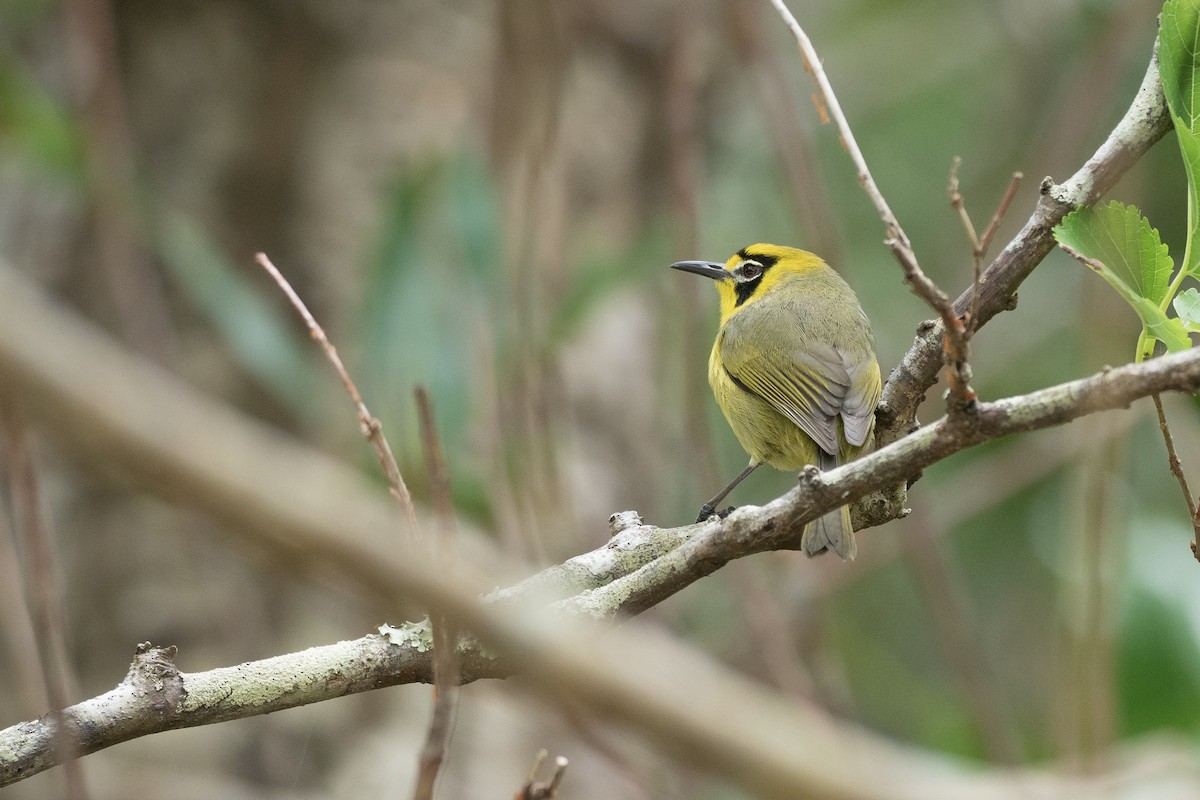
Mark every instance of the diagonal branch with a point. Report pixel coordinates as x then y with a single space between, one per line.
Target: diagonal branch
124 414
897 240
1145 122
596 585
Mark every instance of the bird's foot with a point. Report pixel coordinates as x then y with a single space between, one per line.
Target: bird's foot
708 512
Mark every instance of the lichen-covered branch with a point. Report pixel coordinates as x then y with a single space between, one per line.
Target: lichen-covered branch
155 696
123 414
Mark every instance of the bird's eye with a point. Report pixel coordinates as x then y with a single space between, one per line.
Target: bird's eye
750 270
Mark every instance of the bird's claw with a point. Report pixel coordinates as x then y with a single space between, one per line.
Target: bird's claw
708 512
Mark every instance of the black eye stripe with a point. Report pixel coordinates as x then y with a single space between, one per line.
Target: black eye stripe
762 258
744 289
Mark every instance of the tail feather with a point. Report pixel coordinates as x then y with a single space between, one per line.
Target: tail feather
832 531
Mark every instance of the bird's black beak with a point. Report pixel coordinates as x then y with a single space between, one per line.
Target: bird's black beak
708 269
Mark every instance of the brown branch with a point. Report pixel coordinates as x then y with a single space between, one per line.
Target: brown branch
372 429
1145 122
1177 470
443 634
122 413
612 676
542 790
44 589
753 529
955 339
989 232
979 244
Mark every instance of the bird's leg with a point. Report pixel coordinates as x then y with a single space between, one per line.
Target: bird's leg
710 507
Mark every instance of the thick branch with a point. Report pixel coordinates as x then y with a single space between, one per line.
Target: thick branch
1146 121
754 529
322 673
126 415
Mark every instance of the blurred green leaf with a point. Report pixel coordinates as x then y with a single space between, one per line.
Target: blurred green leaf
1179 70
36 124
475 218
1158 683
1132 258
262 339
419 303
602 276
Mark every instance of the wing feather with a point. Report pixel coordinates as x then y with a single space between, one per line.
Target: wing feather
812 385
807 385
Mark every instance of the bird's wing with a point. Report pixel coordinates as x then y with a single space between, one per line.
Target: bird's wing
858 409
808 383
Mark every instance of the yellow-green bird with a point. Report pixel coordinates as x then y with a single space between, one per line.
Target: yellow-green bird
793 369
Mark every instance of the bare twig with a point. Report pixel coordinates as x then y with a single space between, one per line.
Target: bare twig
985 242
828 101
979 244
1177 470
44 593
372 429
542 790
1145 122
989 232
445 637
956 203
602 678
955 344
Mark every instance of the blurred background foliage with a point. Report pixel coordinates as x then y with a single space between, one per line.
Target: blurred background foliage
482 197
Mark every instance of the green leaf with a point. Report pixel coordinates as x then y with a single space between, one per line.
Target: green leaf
1189 148
1138 263
1179 59
1168 330
1179 71
1187 306
264 340
36 124
1128 253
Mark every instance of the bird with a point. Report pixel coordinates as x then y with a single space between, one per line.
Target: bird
794 371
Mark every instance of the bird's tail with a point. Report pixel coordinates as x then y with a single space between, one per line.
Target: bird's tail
832 531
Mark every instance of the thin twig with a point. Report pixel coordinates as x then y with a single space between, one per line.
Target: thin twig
543 790
1177 470
961 394
1091 263
372 429
980 247
828 101
989 233
979 244
956 202
285 510
959 205
44 596
445 638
